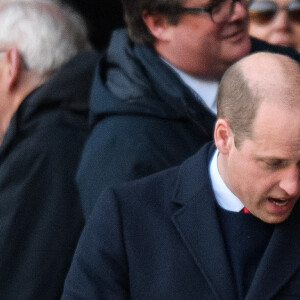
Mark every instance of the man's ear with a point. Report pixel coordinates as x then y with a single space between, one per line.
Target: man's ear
158 25
223 136
14 66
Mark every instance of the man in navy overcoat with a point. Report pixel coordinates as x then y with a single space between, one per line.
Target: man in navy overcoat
223 225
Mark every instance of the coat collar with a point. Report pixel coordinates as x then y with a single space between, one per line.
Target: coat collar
68 89
197 224
196 221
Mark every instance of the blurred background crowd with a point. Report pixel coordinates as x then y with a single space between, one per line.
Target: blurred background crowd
275 21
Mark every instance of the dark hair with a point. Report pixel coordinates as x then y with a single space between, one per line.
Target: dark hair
137 29
237 103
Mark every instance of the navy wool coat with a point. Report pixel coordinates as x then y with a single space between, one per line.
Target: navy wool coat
159 238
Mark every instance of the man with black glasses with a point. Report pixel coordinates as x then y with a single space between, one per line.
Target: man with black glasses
153 102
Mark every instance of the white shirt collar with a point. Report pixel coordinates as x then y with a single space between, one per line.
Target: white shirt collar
207 90
225 198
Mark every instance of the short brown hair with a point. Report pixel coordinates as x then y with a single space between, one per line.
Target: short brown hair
137 29
247 83
237 103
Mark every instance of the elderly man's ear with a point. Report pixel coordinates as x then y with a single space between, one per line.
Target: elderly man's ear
223 136
158 25
13 66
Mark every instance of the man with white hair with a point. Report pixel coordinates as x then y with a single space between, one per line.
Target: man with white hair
43 125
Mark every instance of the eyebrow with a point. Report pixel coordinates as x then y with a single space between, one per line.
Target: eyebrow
271 158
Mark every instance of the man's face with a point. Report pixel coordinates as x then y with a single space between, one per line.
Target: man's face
203 48
264 173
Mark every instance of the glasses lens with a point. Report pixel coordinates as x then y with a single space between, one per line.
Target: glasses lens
222 11
262 12
294 11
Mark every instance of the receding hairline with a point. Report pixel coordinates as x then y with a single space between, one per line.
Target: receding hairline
258 78
266 75
269 74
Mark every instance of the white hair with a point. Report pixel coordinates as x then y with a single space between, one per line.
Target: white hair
47 34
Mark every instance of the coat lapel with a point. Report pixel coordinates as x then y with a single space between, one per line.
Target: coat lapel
280 260
197 223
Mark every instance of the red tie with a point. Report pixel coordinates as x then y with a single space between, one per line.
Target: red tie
246 211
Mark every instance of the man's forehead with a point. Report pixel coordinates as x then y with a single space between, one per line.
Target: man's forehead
273 124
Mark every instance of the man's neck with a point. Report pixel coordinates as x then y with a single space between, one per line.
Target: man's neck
224 196
205 89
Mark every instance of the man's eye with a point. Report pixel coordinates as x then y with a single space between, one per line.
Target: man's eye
274 163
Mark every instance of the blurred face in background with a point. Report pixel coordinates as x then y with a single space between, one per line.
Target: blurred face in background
276 21
208 38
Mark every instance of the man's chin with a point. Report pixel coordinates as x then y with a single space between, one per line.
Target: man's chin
274 217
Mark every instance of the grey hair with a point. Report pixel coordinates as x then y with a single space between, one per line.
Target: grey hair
47 34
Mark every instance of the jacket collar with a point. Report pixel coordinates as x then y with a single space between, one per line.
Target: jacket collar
67 89
133 80
16 122
181 96
196 221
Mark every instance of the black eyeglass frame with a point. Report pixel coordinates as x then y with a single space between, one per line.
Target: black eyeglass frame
210 10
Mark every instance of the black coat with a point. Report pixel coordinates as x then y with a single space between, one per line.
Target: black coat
160 238
144 118
40 214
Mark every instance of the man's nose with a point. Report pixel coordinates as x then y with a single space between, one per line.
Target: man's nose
281 21
290 182
240 11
